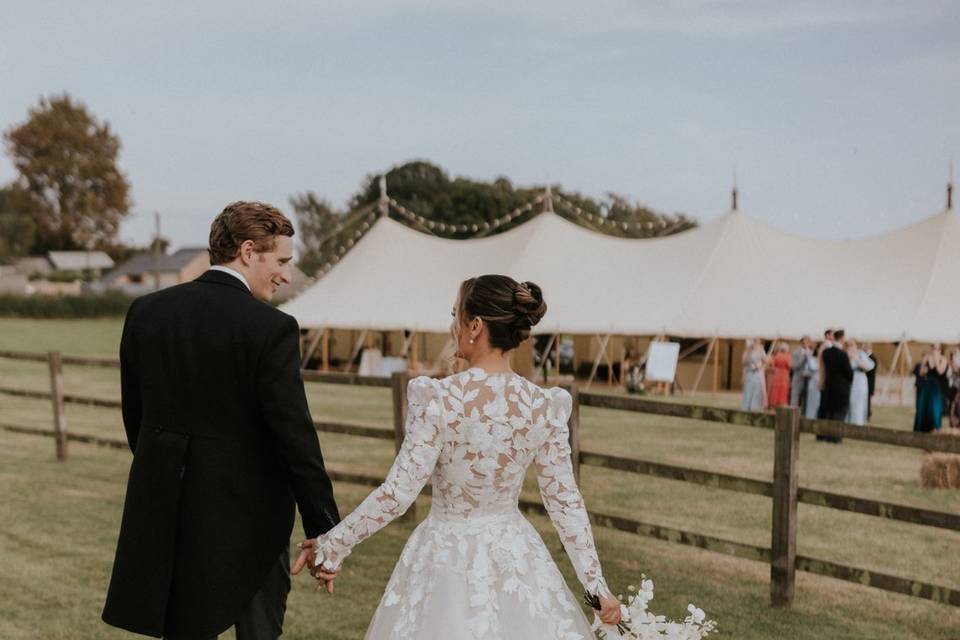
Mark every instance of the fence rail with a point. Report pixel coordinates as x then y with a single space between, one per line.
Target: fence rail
866 433
784 489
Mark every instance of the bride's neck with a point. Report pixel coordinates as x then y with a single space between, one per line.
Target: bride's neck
492 362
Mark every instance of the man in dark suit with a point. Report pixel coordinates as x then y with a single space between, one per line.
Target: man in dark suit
838 377
871 379
223 445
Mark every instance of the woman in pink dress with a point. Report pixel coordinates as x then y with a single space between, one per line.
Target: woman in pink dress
780 385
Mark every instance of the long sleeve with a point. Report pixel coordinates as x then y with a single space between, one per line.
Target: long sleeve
131 405
411 469
284 405
562 498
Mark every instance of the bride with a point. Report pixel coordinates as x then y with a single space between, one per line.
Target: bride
475 567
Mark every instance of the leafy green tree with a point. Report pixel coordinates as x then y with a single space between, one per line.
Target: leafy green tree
17 229
320 229
428 191
67 161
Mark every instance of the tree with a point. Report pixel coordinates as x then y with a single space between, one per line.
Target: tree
319 231
17 229
67 161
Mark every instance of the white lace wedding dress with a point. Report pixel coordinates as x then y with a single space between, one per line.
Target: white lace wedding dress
475 568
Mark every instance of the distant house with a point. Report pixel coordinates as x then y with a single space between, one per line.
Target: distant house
56 273
80 261
143 271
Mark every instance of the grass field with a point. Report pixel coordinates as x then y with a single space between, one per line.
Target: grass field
58 521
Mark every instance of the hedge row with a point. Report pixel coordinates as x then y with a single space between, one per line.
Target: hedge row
111 303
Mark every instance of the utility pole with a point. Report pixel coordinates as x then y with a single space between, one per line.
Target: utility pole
156 252
733 193
950 188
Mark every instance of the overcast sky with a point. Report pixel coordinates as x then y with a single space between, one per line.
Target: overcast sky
839 117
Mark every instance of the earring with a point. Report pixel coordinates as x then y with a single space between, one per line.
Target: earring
471 340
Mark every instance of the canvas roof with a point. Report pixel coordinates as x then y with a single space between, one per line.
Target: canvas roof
731 277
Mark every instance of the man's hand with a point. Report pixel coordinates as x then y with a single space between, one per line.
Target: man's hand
308 558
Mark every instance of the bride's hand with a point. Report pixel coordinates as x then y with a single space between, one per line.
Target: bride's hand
308 557
609 610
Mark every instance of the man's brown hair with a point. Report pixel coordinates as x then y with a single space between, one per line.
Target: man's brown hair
241 221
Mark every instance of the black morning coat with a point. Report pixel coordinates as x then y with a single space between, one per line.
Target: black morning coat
223 446
838 378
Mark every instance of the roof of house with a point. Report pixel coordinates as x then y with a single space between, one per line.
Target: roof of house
79 260
147 262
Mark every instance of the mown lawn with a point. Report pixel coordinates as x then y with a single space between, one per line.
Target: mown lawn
58 521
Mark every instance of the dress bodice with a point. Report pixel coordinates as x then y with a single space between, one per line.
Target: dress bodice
475 434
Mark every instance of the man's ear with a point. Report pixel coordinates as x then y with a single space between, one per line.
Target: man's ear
247 249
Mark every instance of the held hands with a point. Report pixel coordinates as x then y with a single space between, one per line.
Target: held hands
308 558
609 610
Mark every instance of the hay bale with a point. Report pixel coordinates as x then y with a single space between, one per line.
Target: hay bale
941 470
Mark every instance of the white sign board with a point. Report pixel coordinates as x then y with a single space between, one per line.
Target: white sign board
662 361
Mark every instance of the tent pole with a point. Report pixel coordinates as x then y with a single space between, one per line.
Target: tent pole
356 350
556 345
543 357
405 350
609 357
893 369
703 367
315 335
596 363
716 364
325 350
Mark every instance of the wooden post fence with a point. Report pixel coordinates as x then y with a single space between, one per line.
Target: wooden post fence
398 383
783 549
56 397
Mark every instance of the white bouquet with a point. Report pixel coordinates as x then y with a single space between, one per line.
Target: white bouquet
639 624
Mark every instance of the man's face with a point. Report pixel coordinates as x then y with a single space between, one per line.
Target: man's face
271 269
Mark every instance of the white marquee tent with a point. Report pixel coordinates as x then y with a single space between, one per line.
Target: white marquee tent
732 277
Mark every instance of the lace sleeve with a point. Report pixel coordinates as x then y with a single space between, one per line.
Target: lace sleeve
410 471
562 498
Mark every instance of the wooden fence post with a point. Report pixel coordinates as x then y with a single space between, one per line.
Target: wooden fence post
574 425
398 382
786 441
56 396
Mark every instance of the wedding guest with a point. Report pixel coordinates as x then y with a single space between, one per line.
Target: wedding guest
780 383
798 376
754 362
931 383
838 377
861 364
871 378
953 374
826 344
811 398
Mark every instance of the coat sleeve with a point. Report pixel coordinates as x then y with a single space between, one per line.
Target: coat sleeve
284 406
131 405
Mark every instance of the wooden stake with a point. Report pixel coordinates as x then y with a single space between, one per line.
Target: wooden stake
56 395
783 551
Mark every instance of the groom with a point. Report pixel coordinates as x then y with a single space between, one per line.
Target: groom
223 444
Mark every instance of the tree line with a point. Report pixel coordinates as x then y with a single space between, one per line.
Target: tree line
70 194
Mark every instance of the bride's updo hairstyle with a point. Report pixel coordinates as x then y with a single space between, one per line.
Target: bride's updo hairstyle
509 308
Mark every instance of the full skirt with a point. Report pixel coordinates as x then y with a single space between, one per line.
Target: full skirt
474 578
